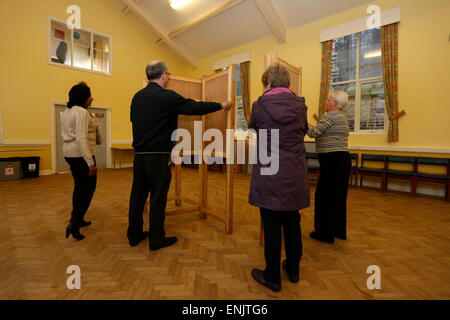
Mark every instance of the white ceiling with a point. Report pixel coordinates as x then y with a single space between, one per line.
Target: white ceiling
238 25
173 19
241 24
295 13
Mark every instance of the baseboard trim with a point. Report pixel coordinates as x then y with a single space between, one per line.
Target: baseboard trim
25 144
400 149
122 166
116 142
400 186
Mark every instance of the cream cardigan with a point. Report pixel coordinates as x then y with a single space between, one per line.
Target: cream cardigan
78 131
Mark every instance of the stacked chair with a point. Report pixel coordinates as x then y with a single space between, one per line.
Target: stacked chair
312 160
421 175
354 172
373 172
385 167
406 174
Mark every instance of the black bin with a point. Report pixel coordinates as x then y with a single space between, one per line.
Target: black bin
30 167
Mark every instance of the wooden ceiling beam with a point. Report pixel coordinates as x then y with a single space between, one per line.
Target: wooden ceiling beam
273 19
125 10
202 18
160 31
205 17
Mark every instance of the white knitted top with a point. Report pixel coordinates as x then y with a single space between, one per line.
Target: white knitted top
78 131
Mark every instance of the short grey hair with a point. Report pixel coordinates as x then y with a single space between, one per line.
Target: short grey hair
155 70
341 97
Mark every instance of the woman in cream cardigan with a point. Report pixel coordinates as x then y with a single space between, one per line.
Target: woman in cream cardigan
80 136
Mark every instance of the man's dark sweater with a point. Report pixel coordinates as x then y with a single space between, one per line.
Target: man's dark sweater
154 115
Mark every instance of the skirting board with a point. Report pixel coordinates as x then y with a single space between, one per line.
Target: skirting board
401 149
438 191
367 182
120 142
25 144
122 166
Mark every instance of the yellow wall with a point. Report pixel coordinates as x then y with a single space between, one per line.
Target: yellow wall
44 152
424 68
28 84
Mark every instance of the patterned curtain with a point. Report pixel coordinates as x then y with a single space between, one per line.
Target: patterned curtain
325 83
245 82
389 49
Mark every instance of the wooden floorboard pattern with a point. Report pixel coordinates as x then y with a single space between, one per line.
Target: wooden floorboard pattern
408 238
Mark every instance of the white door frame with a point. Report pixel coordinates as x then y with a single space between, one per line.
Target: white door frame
53 133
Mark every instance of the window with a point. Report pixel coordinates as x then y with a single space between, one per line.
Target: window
242 89
79 48
357 70
241 122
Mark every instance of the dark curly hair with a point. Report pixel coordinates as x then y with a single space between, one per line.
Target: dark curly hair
79 95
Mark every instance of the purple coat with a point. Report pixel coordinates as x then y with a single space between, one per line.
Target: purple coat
288 189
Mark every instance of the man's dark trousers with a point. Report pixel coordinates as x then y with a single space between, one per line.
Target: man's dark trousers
151 174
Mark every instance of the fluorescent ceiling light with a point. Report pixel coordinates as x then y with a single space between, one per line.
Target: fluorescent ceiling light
178 4
372 54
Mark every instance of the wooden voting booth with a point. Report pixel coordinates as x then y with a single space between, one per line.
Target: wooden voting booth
188 88
295 74
219 87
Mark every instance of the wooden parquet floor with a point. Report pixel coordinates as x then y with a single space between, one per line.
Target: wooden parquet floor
408 238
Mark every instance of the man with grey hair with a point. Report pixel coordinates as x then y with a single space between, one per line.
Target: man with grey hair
154 116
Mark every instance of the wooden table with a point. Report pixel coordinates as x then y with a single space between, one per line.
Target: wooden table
118 152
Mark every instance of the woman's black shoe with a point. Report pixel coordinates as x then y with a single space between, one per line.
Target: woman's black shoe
74 231
294 278
85 223
166 242
314 235
258 275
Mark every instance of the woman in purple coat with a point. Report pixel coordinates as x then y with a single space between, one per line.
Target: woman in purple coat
281 192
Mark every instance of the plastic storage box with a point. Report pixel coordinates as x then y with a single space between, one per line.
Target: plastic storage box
9 169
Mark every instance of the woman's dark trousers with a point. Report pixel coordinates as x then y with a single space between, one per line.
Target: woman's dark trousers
330 213
274 222
83 191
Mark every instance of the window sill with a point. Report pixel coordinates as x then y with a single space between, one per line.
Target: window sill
369 133
79 69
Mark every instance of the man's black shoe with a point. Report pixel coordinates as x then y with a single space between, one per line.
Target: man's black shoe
294 278
258 275
314 235
135 242
166 242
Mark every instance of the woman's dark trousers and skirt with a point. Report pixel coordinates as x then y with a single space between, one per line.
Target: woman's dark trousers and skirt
330 214
83 191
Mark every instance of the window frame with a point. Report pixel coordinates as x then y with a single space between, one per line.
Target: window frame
358 84
71 45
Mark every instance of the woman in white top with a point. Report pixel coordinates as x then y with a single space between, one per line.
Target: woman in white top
79 132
